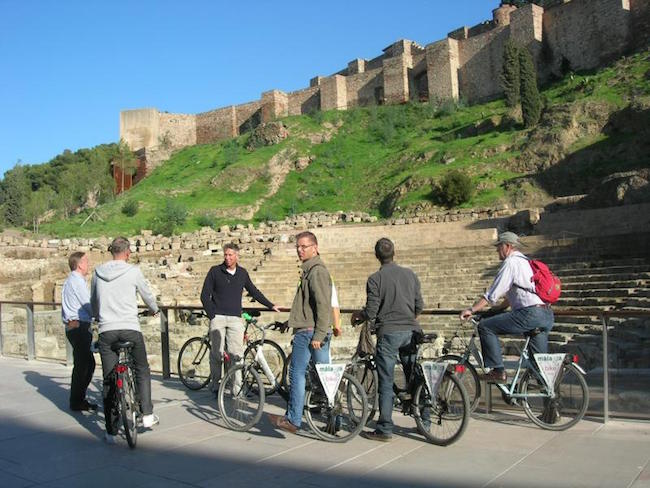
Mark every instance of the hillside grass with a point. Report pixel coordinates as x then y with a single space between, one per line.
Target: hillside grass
375 152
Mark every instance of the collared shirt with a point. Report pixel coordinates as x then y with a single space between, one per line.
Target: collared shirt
75 299
514 282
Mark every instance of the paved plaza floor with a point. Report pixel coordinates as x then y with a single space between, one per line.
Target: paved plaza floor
43 444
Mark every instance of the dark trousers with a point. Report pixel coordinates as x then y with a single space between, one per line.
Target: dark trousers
80 339
389 347
140 366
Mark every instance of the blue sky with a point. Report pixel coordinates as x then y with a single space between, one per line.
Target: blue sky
68 67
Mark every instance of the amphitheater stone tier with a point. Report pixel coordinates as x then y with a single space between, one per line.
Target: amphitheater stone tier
601 269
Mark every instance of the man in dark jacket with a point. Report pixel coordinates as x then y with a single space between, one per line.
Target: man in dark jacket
392 305
311 318
221 299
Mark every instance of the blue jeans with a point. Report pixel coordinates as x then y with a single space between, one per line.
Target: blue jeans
389 346
301 353
516 322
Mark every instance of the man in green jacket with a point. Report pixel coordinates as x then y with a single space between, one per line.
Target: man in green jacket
311 319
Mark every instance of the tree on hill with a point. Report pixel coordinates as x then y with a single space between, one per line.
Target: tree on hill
531 102
15 194
38 204
510 80
125 160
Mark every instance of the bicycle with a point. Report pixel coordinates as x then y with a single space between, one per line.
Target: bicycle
433 395
194 358
553 399
125 405
335 417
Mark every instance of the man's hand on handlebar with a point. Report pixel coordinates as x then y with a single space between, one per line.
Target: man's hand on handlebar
466 314
357 317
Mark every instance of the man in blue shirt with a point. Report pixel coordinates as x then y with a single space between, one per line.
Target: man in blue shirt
76 315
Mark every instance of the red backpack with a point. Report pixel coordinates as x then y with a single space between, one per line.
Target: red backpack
547 286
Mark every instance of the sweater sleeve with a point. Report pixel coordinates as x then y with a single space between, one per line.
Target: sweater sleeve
256 293
372 300
206 296
145 292
320 286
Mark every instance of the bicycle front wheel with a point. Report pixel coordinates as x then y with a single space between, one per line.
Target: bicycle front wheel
565 408
275 358
194 363
367 376
469 378
129 409
442 419
241 397
344 419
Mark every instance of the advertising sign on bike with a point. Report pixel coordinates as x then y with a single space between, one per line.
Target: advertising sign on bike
433 373
549 366
330 376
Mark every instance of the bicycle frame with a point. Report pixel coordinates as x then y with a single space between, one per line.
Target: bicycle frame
524 363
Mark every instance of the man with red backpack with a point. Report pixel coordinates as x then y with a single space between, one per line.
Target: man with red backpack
521 283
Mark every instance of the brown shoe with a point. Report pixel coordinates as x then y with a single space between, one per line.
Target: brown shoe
281 422
377 436
495 376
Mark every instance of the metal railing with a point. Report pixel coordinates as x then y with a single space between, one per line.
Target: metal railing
603 315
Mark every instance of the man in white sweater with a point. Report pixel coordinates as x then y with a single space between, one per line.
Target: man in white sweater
114 302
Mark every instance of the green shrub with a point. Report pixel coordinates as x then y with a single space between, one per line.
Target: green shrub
205 220
231 152
172 215
130 208
454 189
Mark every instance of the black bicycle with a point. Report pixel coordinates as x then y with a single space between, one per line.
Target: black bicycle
125 405
434 397
194 357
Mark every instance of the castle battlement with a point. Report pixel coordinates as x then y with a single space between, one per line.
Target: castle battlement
467 64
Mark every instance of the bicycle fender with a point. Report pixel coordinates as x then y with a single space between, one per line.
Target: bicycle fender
579 368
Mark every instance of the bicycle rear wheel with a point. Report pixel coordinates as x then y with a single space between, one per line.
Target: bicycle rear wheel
129 408
194 363
565 408
345 418
368 378
275 358
469 378
241 397
443 419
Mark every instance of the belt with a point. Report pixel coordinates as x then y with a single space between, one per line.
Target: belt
543 305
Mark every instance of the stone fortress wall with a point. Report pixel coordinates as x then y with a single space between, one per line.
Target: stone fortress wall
578 34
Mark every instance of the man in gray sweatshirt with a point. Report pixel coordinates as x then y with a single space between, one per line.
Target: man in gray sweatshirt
114 302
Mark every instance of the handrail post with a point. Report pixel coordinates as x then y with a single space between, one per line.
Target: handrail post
31 344
164 342
605 370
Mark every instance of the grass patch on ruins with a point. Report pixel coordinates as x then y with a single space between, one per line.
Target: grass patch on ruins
374 154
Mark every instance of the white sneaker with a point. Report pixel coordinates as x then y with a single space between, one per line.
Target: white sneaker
150 420
110 439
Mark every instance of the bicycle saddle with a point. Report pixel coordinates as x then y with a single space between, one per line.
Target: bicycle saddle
420 337
533 333
116 346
